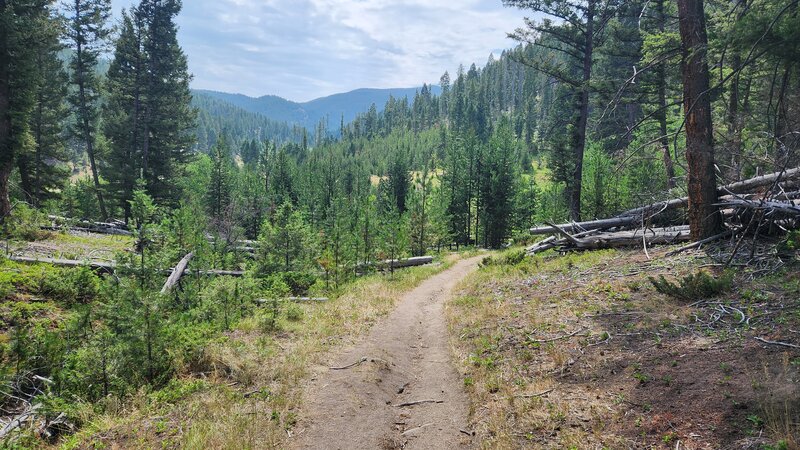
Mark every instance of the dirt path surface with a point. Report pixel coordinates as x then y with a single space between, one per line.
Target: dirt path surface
405 358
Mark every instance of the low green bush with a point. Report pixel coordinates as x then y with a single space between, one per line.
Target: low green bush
696 286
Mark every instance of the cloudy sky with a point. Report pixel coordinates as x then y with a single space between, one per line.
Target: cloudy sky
304 49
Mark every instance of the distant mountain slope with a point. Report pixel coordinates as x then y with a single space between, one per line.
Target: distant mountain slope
216 115
308 114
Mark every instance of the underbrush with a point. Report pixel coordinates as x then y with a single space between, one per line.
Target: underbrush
240 385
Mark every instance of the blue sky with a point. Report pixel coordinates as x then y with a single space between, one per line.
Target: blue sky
304 49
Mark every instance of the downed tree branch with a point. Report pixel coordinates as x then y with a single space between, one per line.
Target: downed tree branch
418 402
540 394
349 366
546 341
782 344
359 362
568 236
701 243
20 419
176 275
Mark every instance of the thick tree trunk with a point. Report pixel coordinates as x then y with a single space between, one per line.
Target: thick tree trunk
704 218
6 150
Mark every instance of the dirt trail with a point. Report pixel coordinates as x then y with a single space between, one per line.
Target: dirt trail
408 359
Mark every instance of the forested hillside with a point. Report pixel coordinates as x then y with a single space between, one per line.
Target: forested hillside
601 106
216 117
333 109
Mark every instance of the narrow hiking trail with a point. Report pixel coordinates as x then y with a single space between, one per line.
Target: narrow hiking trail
364 402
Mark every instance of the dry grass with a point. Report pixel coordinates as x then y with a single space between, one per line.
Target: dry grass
256 379
581 352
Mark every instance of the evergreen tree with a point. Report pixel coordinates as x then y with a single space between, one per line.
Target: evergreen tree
21 25
149 117
43 170
285 242
87 33
218 198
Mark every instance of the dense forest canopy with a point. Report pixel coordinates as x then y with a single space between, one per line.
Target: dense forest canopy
602 105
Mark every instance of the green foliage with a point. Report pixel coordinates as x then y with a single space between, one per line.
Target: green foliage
177 390
508 258
697 286
24 224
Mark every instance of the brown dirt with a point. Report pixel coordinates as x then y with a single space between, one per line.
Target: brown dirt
642 371
405 358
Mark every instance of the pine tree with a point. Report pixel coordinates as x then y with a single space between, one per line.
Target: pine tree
123 113
21 24
580 27
43 170
149 117
87 33
499 188
219 194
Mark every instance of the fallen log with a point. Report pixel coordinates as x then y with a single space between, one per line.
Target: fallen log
95 230
634 238
616 222
653 236
741 187
177 273
635 216
747 186
789 208
110 267
403 263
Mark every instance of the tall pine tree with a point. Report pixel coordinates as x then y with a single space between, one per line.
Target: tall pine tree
87 33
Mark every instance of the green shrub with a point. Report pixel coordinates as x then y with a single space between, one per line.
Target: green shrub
294 313
69 286
177 390
298 282
25 224
695 286
509 258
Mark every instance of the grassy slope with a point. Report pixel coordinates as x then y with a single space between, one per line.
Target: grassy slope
249 396
641 371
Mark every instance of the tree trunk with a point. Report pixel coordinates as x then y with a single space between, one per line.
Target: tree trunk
704 218
579 138
6 150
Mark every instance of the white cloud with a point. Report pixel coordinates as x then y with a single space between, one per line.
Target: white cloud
303 49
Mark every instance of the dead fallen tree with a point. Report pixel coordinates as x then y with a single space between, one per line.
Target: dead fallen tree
116 228
177 273
110 267
768 196
403 263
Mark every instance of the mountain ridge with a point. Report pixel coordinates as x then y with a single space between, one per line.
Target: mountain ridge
345 105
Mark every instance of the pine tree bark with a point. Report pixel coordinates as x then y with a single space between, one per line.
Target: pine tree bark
6 151
704 218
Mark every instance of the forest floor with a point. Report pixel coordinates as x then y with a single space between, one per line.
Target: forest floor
398 387
582 352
